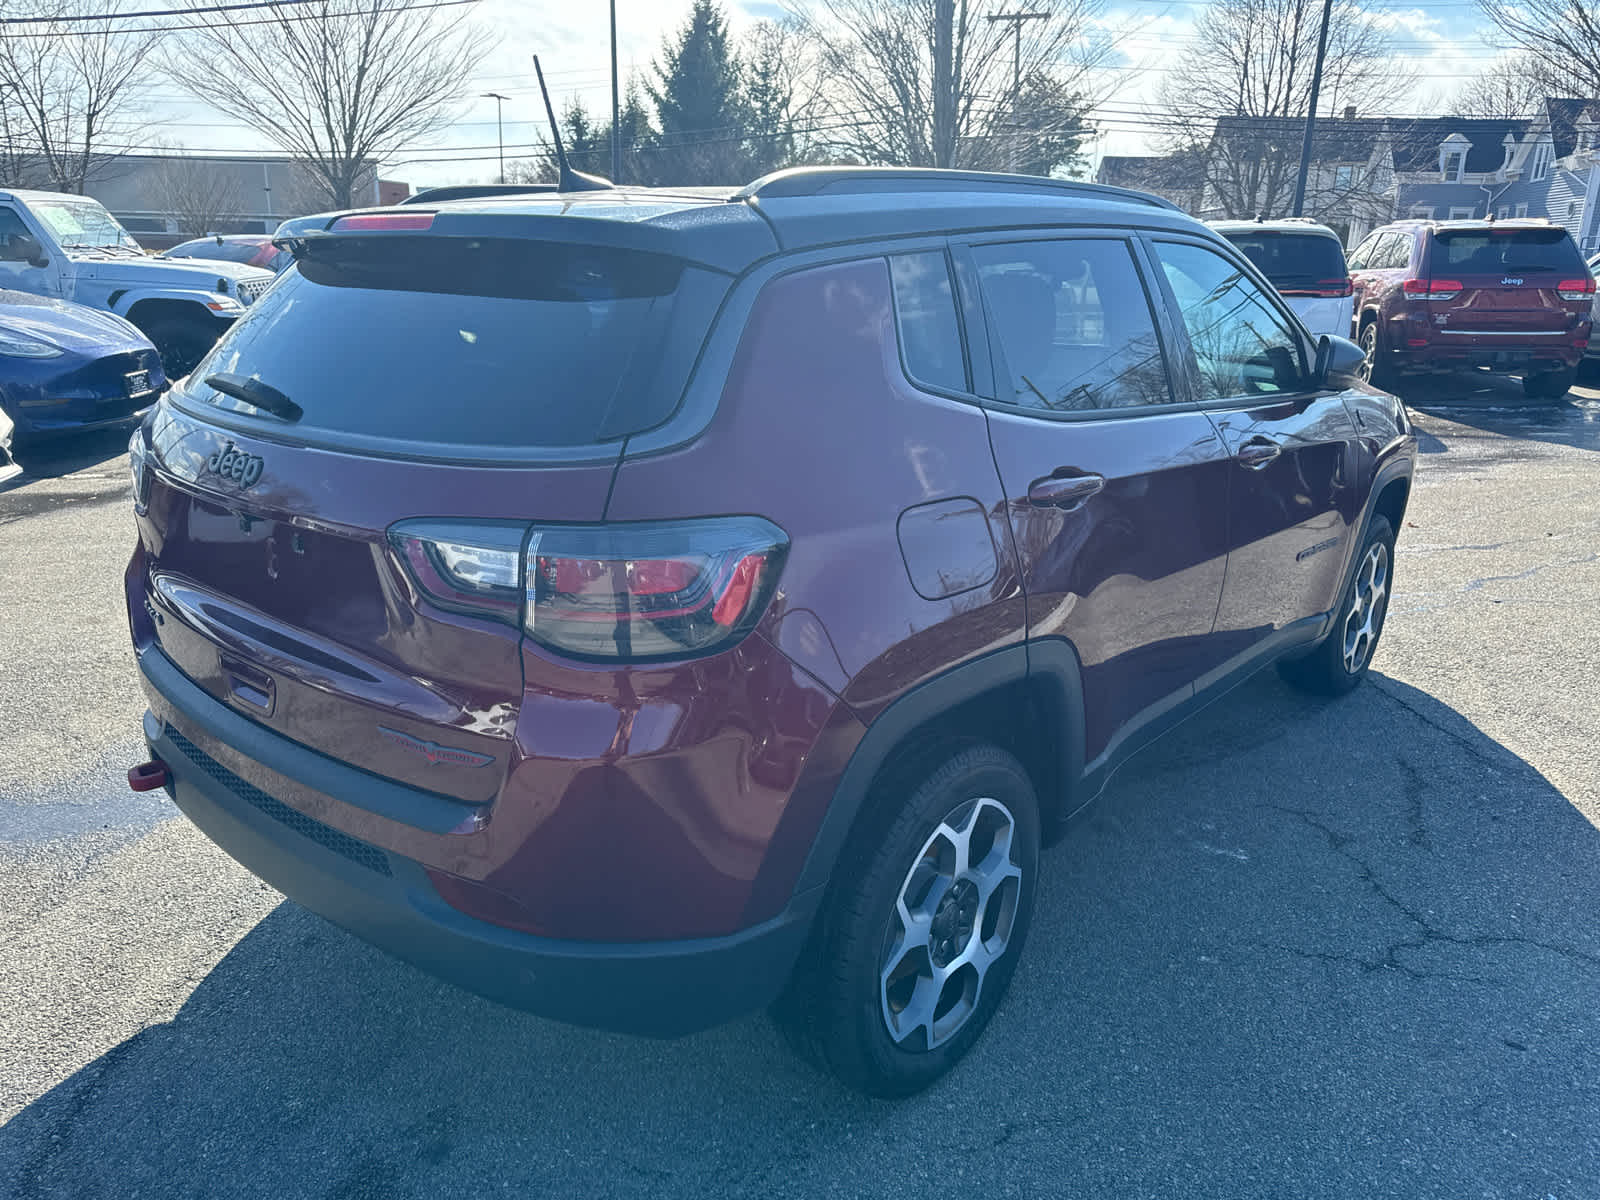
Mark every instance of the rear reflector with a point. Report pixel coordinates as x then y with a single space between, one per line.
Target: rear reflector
1575 289
1432 289
390 222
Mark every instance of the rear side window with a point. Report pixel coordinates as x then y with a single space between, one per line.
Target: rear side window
1293 261
1072 325
925 310
1506 251
473 343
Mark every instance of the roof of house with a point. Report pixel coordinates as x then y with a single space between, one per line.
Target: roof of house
1146 171
1417 142
1564 114
1335 140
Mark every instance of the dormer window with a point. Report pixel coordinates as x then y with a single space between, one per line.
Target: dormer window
1452 163
1543 153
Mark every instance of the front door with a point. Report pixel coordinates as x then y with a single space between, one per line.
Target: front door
1116 485
16 272
1293 504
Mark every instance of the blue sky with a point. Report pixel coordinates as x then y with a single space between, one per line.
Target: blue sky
1443 40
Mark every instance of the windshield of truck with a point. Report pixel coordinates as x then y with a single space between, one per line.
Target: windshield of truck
82 224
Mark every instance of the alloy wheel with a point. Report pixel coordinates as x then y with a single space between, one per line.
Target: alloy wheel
953 920
1368 603
1368 343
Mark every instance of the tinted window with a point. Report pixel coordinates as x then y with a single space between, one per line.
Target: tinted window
481 342
1361 256
11 226
1242 345
1397 251
1498 251
1292 260
925 309
1072 325
237 252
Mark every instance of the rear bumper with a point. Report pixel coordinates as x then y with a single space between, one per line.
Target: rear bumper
1512 359
663 988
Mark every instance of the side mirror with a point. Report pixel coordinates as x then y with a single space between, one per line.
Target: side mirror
1338 360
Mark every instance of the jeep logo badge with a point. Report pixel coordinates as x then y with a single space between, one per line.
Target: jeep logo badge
244 469
1508 281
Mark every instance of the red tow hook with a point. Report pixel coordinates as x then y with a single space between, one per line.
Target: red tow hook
147 777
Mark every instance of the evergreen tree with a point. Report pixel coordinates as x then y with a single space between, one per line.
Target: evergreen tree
701 115
768 102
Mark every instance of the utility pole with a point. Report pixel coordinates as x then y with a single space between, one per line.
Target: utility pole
500 127
944 97
1311 113
1016 19
616 105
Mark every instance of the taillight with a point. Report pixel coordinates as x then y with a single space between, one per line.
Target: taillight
1324 289
412 222
661 590
1432 289
634 592
1575 289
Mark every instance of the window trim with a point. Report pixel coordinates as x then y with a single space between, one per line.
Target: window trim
1178 386
1296 327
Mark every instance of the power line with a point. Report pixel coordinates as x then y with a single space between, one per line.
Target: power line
74 18
304 16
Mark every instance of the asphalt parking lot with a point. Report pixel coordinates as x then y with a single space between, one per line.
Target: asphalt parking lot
1299 949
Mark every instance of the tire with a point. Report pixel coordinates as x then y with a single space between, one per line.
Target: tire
182 341
1341 660
1549 385
1374 370
863 1002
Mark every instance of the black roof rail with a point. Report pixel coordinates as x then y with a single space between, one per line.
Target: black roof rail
475 191
838 181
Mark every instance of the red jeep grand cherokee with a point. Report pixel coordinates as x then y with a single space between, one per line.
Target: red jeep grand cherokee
1436 296
635 604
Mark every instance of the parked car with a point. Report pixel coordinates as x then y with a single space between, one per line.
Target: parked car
636 612
70 248
67 368
10 468
252 249
1305 262
1437 296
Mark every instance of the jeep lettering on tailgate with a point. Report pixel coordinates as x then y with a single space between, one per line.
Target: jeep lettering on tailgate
244 469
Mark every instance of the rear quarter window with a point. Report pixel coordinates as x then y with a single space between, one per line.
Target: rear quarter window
448 345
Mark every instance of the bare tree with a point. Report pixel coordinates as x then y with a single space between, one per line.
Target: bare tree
1559 40
1238 96
198 193
71 90
339 84
1507 90
935 82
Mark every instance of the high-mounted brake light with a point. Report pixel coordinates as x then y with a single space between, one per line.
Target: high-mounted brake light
1575 289
1431 289
1324 289
384 222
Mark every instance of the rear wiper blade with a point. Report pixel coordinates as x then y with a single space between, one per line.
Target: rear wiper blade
256 394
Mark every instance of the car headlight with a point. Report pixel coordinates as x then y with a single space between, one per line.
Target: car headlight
18 345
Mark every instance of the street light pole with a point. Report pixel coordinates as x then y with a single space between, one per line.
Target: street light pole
499 126
1311 113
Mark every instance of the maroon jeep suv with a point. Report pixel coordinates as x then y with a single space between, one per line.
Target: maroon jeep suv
1438 296
643 607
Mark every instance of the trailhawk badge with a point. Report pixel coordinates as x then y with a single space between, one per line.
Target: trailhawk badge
433 752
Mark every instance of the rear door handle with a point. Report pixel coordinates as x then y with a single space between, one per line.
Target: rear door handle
1055 491
1258 452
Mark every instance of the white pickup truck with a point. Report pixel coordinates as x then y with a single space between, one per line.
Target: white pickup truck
71 248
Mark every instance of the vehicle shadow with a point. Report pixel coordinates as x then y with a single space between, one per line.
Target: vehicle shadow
1298 948
1495 404
64 453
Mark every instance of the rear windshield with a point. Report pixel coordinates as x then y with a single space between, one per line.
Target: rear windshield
1506 251
449 343
1292 259
238 252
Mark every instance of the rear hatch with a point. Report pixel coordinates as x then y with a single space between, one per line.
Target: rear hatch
336 500
1501 286
1308 269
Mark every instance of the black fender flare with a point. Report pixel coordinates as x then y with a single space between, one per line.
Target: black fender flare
1049 665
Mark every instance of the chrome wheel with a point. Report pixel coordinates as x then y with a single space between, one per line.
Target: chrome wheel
1368 343
953 920
1367 605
